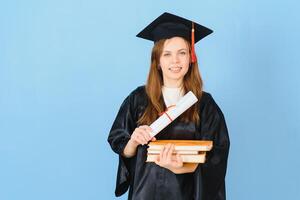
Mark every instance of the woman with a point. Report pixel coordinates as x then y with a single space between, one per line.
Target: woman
173 72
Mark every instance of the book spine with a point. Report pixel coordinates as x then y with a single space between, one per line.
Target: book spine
185 158
179 152
180 148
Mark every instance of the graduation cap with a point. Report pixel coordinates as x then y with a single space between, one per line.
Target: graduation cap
168 25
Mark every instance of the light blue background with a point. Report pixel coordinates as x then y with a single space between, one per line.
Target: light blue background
66 66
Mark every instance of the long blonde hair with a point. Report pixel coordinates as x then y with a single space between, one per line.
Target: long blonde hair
191 82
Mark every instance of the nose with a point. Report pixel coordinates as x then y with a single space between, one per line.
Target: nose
175 58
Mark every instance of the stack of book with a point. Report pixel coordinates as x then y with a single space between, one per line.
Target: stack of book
191 151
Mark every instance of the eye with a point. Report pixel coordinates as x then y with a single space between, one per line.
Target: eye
166 54
182 53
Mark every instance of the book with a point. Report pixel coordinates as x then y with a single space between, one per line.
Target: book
181 152
182 145
199 158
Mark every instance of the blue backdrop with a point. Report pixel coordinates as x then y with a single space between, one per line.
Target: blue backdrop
67 65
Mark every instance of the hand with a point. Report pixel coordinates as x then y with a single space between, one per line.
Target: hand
166 160
141 135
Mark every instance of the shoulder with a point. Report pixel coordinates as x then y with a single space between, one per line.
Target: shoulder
137 96
138 93
140 90
208 104
206 98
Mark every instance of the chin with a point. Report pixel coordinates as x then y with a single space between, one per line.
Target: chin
175 78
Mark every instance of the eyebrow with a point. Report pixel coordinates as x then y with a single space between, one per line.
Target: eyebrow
177 50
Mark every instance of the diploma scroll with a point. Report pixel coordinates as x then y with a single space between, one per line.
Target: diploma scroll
164 120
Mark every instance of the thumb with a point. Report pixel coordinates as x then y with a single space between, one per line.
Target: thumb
178 158
157 160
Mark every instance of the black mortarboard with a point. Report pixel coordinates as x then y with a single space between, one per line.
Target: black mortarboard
168 25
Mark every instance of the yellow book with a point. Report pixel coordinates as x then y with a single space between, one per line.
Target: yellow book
183 145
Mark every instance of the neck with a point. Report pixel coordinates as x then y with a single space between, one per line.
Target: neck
173 83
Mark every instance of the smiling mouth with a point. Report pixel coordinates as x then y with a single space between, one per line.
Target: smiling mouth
175 69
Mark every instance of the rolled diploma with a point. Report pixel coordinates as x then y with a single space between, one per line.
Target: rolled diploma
182 105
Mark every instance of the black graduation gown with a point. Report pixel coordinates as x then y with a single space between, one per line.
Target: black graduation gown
149 181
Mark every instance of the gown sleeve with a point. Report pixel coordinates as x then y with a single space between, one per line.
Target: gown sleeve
210 176
119 136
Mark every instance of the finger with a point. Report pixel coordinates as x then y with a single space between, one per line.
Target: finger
134 138
153 139
140 134
145 134
157 161
140 140
147 130
178 158
146 127
179 162
148 134
166 150
170 152
161 154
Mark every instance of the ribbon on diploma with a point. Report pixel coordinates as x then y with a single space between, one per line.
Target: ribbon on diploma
170 115
166 112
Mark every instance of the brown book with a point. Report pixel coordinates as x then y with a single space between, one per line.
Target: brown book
199 158
183 145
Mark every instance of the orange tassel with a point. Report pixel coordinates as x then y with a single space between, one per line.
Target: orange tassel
193 53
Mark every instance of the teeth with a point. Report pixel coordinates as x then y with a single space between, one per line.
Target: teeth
175 69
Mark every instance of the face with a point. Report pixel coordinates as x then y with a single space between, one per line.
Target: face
174 61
